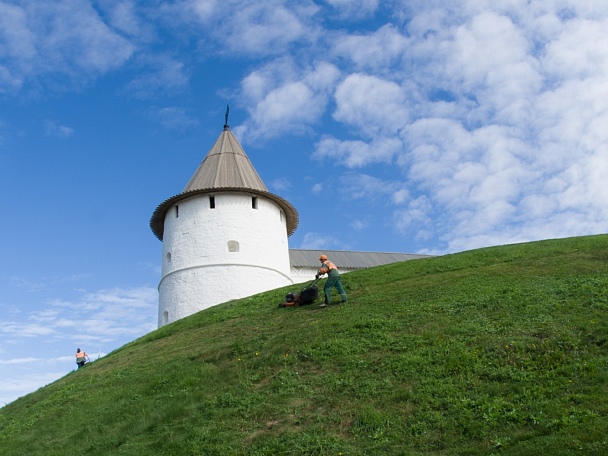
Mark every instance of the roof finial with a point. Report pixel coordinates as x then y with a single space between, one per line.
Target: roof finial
226 127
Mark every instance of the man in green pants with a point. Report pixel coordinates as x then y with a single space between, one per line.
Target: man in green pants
333 280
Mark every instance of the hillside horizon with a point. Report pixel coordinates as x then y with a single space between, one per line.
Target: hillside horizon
495 350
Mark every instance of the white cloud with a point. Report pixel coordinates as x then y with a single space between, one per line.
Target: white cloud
354 9
18 360
354 154
103 315
284 101
415 217
281 184
77 36
580 51
17 46
315 241
505 152
358 185
371 104
262 28
20 329
66 38
123 15
373 51
489 60
204 9
60 131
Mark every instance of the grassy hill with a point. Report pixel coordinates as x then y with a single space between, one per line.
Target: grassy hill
494 351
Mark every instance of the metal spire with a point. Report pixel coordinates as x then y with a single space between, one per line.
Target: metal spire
226 127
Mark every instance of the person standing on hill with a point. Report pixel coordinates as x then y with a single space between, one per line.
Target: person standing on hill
81 358
333 280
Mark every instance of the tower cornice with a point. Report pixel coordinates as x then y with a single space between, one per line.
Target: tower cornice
157 222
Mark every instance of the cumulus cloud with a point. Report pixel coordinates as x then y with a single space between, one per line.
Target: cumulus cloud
372 51
355 154
67 38
360 185
123 16
353 9
371 104
263 28
282 101
251 27
498 121
17 46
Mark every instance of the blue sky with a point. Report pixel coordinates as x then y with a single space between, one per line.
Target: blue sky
402 126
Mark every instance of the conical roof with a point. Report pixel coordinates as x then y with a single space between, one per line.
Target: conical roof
226 165
226 168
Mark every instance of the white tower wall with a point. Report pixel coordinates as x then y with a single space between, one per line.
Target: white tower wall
212 255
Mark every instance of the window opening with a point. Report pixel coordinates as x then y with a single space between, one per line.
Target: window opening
254 202
233 246
176 211
212 202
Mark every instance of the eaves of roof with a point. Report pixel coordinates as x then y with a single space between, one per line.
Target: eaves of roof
157 221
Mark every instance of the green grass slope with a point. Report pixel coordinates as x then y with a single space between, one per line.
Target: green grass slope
494 351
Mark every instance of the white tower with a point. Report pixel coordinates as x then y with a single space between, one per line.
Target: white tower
224 237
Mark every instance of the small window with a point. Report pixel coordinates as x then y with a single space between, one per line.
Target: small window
212 202
165 317
254 202
176 211
233 246
168 257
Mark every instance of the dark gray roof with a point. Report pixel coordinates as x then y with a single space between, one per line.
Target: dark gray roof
226 168
300 258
